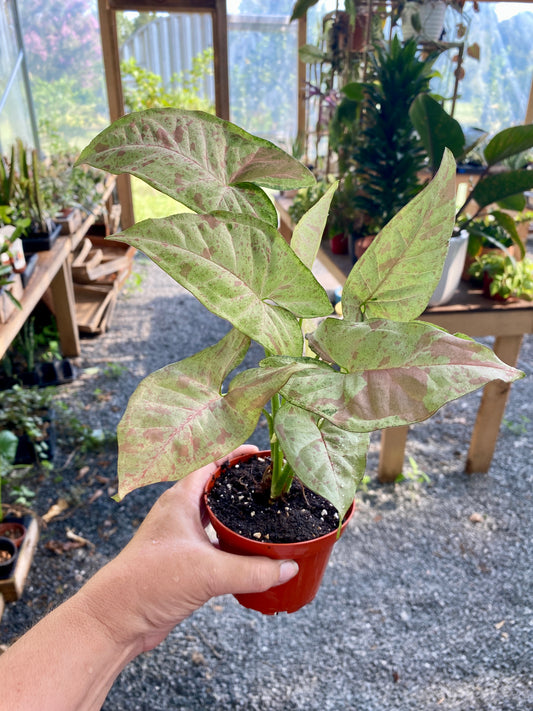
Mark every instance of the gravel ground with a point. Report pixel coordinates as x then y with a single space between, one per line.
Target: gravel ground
427 602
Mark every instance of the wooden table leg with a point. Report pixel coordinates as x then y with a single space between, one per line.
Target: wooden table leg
491 409
65 311
391 453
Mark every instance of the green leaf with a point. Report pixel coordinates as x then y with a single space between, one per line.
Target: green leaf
496 187
355 91
391 373
307 234
177 419
301 7
516 203
8 448
240 268
509 225
398 273
436 128
330 461
311 54
509 142
199 160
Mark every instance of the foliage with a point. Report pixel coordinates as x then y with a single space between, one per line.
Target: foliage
8 451
498 183
380 155
30 207
25 411
68 112
376 367
61 38
305 198
508 277
145 90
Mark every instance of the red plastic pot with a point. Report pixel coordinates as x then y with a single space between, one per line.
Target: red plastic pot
339 244
312 558
13 530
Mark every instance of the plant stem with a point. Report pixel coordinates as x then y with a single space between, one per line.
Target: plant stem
282 474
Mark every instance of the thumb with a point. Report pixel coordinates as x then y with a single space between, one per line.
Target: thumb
248 574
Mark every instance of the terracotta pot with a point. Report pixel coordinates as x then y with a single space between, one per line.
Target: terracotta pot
312 558
13 530
7 563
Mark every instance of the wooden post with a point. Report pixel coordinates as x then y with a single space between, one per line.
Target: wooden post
491 409
65 311
391 453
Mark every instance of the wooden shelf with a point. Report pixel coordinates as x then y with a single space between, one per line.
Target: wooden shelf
53 270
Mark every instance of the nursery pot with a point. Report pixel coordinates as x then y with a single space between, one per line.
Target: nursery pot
312 557
339 244
452 270
8 556
13 530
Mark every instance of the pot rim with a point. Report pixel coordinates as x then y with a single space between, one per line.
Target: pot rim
336 532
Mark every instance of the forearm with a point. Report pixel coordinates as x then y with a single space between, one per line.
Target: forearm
68 661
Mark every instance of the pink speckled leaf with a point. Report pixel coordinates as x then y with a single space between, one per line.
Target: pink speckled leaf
198 159
241 269
396 276
391 373
307 234
177 419
330 461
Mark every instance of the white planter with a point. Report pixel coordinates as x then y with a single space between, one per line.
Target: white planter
431 16
453 268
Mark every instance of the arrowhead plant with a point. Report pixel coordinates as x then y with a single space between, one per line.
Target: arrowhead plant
330 381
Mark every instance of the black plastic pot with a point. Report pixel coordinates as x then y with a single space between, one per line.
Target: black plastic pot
7 565
40 241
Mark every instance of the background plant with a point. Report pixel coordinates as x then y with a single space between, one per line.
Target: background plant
144 89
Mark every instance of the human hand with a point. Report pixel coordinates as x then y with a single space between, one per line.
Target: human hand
170 568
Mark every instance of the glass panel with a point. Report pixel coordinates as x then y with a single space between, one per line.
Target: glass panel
14 119
263 60
166 60
494 90
64 57
8 46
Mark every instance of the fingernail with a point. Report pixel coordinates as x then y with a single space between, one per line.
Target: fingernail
287 570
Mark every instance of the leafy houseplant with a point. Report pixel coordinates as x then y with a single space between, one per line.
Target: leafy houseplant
26 413
380 154
499 184
29 206
375 368
503 276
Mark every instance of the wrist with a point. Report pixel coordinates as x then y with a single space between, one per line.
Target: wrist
105 602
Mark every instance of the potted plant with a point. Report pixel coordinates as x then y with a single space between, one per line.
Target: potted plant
26 412
376 367
380 154
28 202
8 557
11 528
503 276
498 192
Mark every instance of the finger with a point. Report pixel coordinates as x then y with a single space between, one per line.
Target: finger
247 574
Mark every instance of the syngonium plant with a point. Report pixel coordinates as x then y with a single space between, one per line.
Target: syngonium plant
373 368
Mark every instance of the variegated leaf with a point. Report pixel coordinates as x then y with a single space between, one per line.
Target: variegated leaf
241 269
177 419
396 276
330 461
391 373
307 234
199 160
